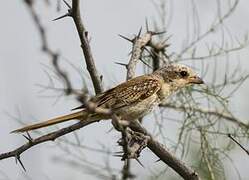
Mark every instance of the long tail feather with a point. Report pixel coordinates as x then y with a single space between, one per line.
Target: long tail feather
77 115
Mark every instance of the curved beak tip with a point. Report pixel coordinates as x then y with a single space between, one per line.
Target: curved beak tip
201 82
196 80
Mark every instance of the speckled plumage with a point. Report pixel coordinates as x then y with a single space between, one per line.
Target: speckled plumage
135 98
132 99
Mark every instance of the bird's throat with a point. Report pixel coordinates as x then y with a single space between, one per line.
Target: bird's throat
165 91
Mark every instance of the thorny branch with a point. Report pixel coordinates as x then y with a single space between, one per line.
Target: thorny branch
74 12
83 35
45 138
153 145
138 46
158 149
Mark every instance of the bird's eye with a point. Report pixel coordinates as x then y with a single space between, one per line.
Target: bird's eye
184 73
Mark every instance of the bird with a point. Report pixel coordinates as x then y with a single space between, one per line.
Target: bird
132 99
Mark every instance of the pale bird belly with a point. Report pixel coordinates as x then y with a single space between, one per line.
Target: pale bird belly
139 109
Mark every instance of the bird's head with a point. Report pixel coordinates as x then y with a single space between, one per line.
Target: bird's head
178 75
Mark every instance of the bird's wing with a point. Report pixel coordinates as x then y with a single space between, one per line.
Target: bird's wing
130 92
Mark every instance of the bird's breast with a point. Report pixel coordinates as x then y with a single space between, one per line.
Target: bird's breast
139 109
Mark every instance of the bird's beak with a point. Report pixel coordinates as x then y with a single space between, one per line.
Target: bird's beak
196 80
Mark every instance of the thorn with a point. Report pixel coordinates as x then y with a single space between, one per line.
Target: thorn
28 137
79 107
166 55
145 63
63 16
150 52
166 45
18 159
117 155
139 33
69 7
86 33
118 152
168 38
147 25
126 38
68 14
158 160
121 142
157 33
122 64
139 162
101 78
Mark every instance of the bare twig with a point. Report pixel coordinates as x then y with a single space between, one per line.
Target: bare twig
208 111
234 140
204 150
216 54
211 29
74 12
96 80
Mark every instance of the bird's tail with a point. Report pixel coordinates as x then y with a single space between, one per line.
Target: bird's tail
81 115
